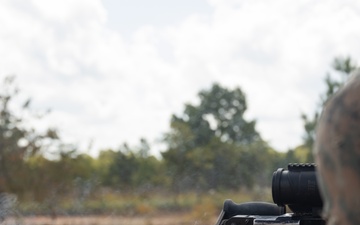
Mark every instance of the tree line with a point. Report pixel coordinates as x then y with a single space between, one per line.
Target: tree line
210 146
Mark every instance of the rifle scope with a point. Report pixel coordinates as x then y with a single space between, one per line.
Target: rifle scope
297 187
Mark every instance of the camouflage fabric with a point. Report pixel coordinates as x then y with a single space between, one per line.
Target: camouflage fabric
337 154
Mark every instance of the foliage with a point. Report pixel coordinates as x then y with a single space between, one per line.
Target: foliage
211 148
220 114
24 170
17 142
343 67
212 145
127 169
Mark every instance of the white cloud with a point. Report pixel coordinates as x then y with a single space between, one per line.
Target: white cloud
110 89
273 51
70 11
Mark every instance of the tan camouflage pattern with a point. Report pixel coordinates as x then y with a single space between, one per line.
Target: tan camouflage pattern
337 155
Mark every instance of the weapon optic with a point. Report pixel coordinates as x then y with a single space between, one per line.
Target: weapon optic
295 188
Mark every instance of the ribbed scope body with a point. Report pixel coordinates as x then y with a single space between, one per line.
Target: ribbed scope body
297 187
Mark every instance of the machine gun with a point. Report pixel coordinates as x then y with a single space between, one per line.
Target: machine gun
295 188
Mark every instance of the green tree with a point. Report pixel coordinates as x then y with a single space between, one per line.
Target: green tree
131 168
102 166
71 175
17 142
221 114
343 67
122 169
209 143
149 170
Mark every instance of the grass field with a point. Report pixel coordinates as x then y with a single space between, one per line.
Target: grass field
121 209
170 219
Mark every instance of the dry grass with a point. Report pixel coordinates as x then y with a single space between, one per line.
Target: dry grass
121 209
171 219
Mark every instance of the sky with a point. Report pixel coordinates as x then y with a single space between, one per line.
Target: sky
114 71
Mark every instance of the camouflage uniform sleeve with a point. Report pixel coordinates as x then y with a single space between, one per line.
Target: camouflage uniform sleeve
337 153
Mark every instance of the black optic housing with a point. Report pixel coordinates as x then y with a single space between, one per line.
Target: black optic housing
297 187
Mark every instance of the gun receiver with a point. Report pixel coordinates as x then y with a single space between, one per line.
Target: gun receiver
295 187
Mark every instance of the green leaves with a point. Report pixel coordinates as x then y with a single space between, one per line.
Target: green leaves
219 114
208 145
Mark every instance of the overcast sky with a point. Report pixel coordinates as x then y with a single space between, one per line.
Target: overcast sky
114 71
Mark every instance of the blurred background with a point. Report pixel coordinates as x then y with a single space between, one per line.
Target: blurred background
153 109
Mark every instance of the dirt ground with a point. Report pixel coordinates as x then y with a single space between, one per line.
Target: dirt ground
177 219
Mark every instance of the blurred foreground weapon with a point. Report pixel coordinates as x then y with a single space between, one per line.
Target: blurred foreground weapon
295 188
